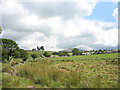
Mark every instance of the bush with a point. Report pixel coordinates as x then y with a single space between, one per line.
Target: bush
34 56
23 54
55 53
46 54
63 53
16 54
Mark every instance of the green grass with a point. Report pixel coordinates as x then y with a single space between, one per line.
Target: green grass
38 53
70 74
10 81
53 74
0 76
80 57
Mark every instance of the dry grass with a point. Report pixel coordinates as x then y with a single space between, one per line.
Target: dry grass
70 74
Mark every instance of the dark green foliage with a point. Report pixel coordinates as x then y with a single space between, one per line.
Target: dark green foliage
100 50
38 48
0 29
33 49
42 48
63 53
16 54
8 47
34 56
75 51
46 54
55 53
119 51
80 53
23 54
4 55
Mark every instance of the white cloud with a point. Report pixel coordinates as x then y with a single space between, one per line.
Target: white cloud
58 26
12 8
114 1
84 47
115 13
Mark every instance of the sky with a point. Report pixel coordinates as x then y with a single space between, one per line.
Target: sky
59 25
103 12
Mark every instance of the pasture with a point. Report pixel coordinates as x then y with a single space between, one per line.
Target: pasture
90 71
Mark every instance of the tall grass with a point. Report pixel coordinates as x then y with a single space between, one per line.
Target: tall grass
9 81
69 74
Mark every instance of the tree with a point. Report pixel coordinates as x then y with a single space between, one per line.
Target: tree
46 54
100 50
38 48
0 53
34 56
4 55
0 29
75 51
23 54
16 54
33 49
8 47
42 48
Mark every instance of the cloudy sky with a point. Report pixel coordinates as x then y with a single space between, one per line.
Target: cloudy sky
59 24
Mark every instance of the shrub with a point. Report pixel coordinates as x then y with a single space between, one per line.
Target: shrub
34 56
63 53
46 54
16 54
23 54
55 53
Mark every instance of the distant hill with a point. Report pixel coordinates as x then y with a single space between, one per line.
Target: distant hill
70 50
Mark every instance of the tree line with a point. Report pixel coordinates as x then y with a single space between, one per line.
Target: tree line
10 49
39 48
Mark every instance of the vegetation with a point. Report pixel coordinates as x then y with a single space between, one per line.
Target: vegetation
23 54
11 81
61 53
75 51
0 29
46 54
58 70
8 47
34 56
50 74
42 48
38 53
39 48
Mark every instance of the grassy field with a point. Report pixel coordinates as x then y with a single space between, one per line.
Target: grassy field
49 73
38 53
80 57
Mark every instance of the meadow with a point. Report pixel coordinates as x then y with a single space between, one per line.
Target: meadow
87 71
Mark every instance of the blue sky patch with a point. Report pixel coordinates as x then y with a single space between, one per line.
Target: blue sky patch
103 12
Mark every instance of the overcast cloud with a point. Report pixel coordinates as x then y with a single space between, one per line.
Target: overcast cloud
57 25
